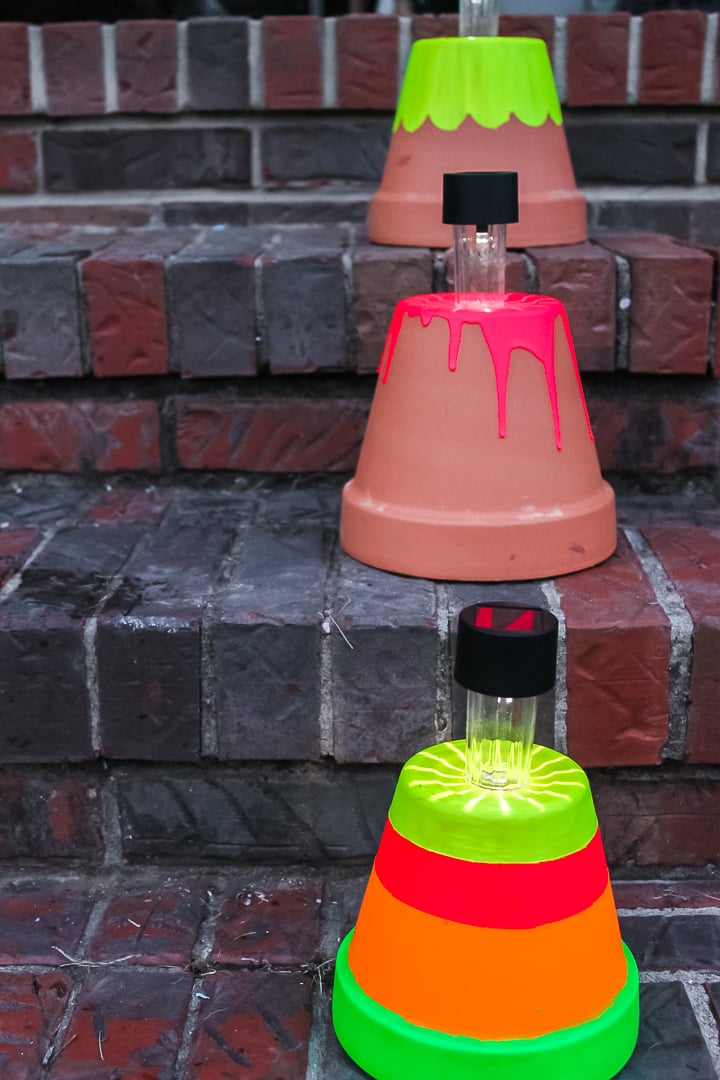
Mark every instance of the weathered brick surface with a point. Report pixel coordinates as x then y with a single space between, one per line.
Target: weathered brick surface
49 818
583 278
18 162
32 1006
431 26
124 1022
129 506
670 1041
14 69
119 159
671 57
146 58
670 312
342 150
15 546
44 918
691 557
74 436
597 56
218 71
667 943
73 59
269 924
535 26
381 276
40 318
614 152
666 894
384 692
269 435
367 51
150 927
40 502
292 62
253 1025
618 642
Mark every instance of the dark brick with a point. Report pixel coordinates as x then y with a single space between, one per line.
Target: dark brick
269 924
212 305
73 436
303 298
618 653
15 546
351 150
671 291
146 52
605 151
148 641
381 277
671 216
292 59
31 1006
14 69
118 160
533 26
672 943
40 318
40 501
691 558
269 435
656 431
659 820
367 57
73 68
432 26
582 276
713 159
218 71
254 1025
384 687
670 1043
125 1020
128 506
18 164
153 927
597 57
47 818
259 813
266 641
671 57
666 894
38 918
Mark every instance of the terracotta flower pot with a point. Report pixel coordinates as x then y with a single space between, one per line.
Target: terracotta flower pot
478 104
478 461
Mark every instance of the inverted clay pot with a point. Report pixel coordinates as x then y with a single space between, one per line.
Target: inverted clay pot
487 943
478 461
478 104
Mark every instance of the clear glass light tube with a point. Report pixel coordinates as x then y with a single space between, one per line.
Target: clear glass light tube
500 734
480 259
478 18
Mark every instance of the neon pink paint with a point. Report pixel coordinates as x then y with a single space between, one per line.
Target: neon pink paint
521 321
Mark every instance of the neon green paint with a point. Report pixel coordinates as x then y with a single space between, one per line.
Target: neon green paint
436 807
488 79
389 1048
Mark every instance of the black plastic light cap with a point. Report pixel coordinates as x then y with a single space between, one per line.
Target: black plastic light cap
504 650
480 198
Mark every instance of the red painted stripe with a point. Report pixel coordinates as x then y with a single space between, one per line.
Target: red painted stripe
511 896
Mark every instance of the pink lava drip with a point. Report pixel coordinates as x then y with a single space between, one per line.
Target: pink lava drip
521 321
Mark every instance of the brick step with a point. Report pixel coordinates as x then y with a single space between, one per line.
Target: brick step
201 673
210 974
180 349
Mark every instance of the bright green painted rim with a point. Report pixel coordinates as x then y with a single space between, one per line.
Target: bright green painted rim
389 1048
438 809
487 78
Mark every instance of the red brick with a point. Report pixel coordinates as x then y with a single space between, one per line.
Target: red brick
71 436
128 506
671 290
146 65
36 922
533 26
659 821
292 61
254 1025
15 546
18 162
270 925
46 818
691 558
618 652
435 26
31 1006
367 57
381 277
14 69
582 276
73 68
671 57
125 1023
666 894
269 435
597 57
150 928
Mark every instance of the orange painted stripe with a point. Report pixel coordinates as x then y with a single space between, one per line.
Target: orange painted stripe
510 895
487 983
